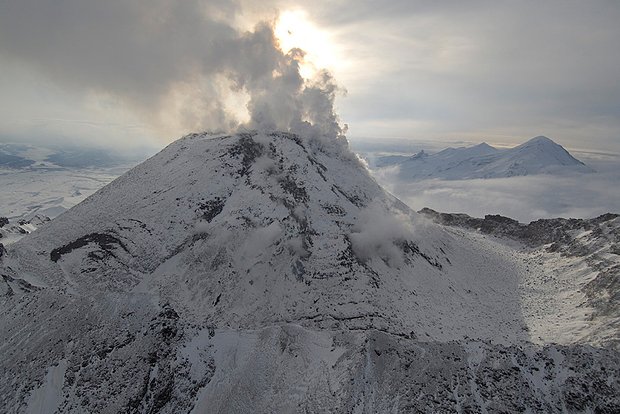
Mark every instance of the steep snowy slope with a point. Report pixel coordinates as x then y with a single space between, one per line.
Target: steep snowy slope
540 155
263 272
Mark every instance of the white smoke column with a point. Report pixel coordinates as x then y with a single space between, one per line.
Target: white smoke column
377 233
172 62
286 101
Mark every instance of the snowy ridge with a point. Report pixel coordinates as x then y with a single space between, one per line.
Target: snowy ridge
10 231
264 272
540 155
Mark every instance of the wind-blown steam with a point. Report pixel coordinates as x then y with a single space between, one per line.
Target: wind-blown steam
171 60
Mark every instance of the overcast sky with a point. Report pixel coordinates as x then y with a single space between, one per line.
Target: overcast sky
132 73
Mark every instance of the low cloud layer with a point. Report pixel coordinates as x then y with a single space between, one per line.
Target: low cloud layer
179 65
522 198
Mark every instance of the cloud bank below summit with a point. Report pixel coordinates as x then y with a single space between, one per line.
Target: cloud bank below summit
522 198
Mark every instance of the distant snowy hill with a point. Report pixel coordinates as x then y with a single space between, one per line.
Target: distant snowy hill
265 272
22 156
540 155
42 180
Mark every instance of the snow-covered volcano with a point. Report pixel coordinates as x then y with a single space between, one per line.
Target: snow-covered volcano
270 231
264 272
539 155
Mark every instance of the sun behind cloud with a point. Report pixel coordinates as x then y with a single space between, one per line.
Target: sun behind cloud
294 29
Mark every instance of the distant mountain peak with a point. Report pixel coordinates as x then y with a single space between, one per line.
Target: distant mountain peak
539 155
541 138
484 145
540 141
547 153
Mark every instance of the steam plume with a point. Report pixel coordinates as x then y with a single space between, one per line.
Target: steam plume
171 60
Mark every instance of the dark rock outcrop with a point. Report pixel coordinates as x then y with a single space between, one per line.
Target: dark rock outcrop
556 231
106 243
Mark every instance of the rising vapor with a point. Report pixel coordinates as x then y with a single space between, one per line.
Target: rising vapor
182 65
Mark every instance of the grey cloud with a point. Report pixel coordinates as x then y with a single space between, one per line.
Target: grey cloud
478 70
491 68
164 55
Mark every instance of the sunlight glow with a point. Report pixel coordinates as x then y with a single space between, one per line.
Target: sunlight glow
294 29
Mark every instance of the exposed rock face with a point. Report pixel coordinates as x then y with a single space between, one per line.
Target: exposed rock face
558 232
263 272
13 232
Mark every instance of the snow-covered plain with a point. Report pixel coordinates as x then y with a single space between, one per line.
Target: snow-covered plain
253 273
27 192
36 179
